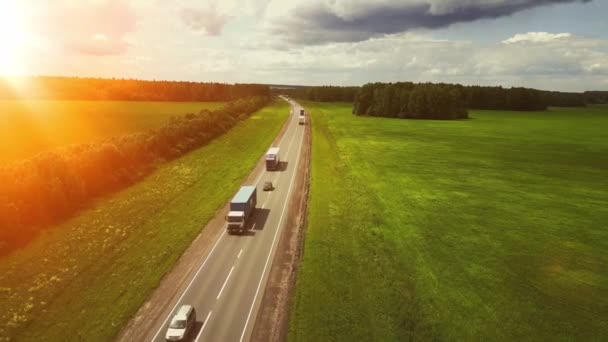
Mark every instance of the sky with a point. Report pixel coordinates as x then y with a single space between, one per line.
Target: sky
545 44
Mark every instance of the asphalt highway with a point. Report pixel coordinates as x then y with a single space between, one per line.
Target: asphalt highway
228 284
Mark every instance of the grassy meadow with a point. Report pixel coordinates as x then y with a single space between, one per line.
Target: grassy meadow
492 228
29 127
85 278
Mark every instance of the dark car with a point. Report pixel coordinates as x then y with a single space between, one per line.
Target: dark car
268 186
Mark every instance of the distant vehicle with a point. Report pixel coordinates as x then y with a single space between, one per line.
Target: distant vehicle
302 120
273 160
241 208
302 112
268 186
182 324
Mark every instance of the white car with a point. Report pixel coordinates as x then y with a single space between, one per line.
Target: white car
182 324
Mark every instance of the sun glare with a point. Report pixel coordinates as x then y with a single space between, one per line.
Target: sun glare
12 39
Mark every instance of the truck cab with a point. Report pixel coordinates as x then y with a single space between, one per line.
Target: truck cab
235 220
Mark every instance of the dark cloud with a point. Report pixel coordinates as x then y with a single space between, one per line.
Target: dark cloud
209 20
351 21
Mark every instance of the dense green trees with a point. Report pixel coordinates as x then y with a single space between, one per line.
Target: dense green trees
448 101
562 99
440 101
52 185
75 88
409 100
499 98
595 97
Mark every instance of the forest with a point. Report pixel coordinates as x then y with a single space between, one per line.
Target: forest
76 88
409 100
595 97
52 185
393 99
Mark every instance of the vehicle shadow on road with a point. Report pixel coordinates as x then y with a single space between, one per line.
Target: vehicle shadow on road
257 223
198 325
259 219
283 165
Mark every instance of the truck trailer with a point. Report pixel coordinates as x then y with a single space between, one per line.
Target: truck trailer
273 160
241 208
302 120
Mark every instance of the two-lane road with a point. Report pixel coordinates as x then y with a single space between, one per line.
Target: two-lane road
227 287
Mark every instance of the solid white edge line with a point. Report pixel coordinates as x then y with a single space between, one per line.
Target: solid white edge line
203 327
190 284
272 246
225 282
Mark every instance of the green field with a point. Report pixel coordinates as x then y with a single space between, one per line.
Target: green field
492 228
86 277
29 127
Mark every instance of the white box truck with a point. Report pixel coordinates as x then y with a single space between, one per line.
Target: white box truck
273 159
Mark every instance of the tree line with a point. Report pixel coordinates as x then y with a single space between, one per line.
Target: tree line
52 185
76 88
562 99
409 100
322 93
473 97
499 98
595 97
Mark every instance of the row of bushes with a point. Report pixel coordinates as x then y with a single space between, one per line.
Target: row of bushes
53 185
409 100
75 88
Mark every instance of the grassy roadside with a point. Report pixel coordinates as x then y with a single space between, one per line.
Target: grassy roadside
482 229
85 278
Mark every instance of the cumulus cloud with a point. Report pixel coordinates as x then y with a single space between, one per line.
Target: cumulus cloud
88 27
542 54
567 62
323 21
210 20
536 37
